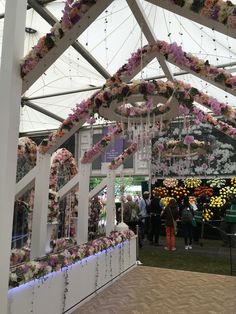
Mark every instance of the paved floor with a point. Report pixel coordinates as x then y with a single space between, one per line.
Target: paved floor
149 290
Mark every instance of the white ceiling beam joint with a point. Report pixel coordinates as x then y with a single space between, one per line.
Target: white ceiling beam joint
146 28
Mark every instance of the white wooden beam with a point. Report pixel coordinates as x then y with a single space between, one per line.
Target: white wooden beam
26 183
98 188
68 187
10 91
68 38
187 13
110 206
83 203
146 28
51 19
40 211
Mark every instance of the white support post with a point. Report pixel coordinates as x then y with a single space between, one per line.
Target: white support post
83 203
40 212
110 220
10 91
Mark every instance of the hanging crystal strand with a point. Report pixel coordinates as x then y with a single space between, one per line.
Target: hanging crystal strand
123 128
141 137
161 125
91 130
141 43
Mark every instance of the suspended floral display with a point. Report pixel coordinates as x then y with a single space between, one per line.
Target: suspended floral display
170 182
208 191
233 181
192 182
216 183
227 191
217 201
160 192
178 148
179 192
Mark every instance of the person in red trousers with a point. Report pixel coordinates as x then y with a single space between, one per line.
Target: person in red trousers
170 213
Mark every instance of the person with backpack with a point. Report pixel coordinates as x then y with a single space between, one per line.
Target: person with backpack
187 223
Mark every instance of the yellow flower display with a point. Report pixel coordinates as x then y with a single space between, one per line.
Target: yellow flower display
207 215
227 190
233 181
192 182
160 191
165 200
217 201
170 182
179 192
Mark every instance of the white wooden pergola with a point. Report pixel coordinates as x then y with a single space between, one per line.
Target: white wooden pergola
11 89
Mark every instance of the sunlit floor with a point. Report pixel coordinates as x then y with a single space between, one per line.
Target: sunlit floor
151 290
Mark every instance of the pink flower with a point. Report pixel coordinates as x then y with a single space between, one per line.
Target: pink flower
189 139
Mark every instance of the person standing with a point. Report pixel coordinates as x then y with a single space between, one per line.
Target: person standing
170 213
144 209
155 220
187 220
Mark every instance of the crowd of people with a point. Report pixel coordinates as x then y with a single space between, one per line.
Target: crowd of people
150 213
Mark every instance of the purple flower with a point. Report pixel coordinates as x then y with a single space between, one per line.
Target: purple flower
189 139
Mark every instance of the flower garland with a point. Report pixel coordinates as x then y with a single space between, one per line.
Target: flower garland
216 183
170 182
218 10
217 201
122 157
161 192
72 14
208 191
227 191
192 182
61 157
54 262
174 53
26 156
101 146
19 256
179 192
61 244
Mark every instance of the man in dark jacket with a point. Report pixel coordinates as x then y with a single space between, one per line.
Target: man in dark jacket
155 220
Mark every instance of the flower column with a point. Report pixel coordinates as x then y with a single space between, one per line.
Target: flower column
10 91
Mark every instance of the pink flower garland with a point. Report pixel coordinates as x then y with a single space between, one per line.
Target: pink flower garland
72 14
174 53
54 262
218 10
121 158
101 146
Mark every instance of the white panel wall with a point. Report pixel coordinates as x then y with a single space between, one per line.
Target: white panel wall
84 278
